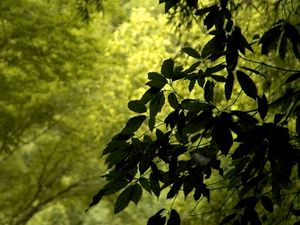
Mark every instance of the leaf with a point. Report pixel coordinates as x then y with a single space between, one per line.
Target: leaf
203 11
157 219
123 200
218 78
137 106
133 124
283 46
167 68
156 104
253 71
194 105
154 184
293 77
298 124
174 218
209 91
228 218
248 202
172 99
156 80
229 85
97 198
174 189
224 139
267 203
192 52
296 212
149 95
188 185
193 67
145 184
214 48
262 106
247 84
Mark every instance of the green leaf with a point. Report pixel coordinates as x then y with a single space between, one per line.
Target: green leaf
123 200
194 105
172 99
228 218
145 184
137 106
293 77
192 52
262 106
209 91
157 219
283 46
167 68
156 104
174 218
267 203
247 84
137 192
156 80
133 124
229 85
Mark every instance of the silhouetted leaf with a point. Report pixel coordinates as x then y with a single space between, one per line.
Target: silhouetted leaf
248 202
209 91
174 218
267 203
192 52
123 200
296 212
262 106
156 104
154 184
247 84
157 219
173 100
218 78
167 68
137 106
174 189
97 198
203 11
224 139
253 71
228 218
194 105
156 80
283 46
192 3
293 77
137 192
145 184
133 124
229 85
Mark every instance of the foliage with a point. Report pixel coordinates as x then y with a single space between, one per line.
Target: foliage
253 148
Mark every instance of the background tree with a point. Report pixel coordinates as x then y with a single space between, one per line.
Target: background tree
254 147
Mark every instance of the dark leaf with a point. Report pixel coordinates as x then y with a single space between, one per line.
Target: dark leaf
173 100
137 192
97 198
174 189
214 48
283 46
192 85
203 11
214 69
133 124
157 219
209 91
228 218
247 84
194 105
294 36
137 106
156 80
229 85
145 184
156 104
296 212
123 200
193 67
167 68
298 124
224 139
149 95
154 184
188 185
249 202
218 78
192 3
192 52
174 218
293 77
151 123
297 223
267 203
253 71
262 106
